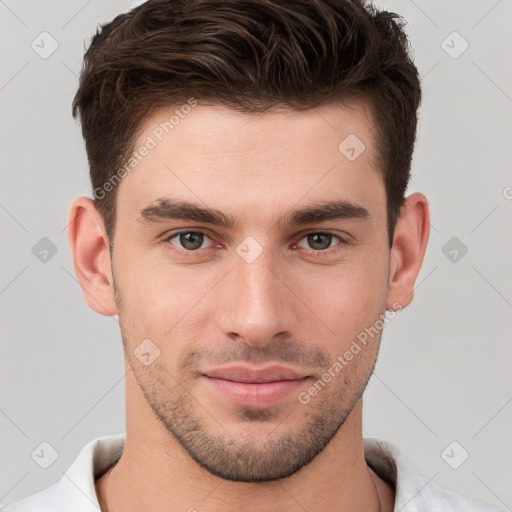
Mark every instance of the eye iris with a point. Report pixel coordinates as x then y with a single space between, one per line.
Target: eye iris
191 237
314 239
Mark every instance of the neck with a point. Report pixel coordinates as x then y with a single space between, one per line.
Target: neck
155 473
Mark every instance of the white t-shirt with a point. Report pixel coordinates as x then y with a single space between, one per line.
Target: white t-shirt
75 491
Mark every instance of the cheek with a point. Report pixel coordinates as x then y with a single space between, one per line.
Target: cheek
349 301
348 297
144 293
167 304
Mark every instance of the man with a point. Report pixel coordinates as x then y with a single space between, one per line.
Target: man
249 162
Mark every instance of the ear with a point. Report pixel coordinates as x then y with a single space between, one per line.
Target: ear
409 245
91 256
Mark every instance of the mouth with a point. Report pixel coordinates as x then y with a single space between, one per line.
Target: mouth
248 386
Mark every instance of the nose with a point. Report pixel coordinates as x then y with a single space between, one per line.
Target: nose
256 302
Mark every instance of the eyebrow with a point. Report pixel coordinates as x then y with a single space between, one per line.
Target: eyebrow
165 208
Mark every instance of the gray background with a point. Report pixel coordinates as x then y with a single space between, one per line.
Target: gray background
444 368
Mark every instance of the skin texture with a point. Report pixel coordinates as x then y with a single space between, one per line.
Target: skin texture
188 446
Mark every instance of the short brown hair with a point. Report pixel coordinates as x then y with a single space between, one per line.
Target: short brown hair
249 55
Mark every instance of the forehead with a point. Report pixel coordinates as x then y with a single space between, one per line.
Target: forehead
230 160
216 128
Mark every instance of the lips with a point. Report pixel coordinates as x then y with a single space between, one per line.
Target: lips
247 386
254 376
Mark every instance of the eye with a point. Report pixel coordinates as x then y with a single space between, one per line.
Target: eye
321 242
189 241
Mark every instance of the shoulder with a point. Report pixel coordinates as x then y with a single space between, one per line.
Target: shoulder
47 500
75 491
413 492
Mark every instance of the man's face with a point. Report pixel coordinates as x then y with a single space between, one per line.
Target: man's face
248 317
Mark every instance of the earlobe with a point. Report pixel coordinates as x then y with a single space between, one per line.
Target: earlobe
91 257
409 246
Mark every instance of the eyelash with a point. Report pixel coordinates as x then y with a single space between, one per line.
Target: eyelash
313 253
